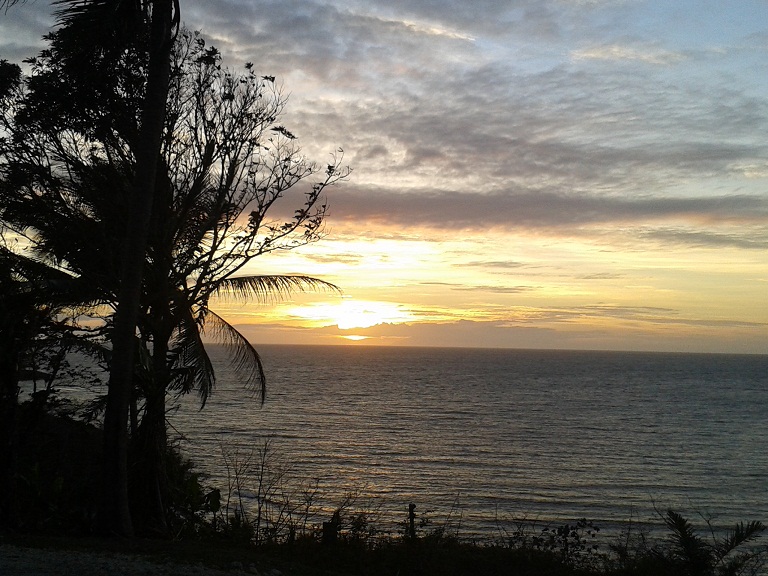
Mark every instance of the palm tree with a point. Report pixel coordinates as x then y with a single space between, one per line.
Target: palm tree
120 19
210 220
114 511
160 18
224 163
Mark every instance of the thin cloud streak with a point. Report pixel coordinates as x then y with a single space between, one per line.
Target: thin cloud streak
616 52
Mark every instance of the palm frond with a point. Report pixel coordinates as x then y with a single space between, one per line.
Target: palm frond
243 356
192 368
741 534
30 269
5 4
690 547
93 12
270 288
46 284
115 18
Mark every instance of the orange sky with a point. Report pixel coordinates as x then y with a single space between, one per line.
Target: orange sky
595 291
532 173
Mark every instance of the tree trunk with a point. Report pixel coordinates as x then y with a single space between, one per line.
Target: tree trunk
149 449
149 482
114 511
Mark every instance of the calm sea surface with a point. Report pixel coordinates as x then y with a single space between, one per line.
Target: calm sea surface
502 434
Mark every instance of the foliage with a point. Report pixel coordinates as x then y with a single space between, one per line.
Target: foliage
263 504
226 162
692 555
10 76
38 306
228 182
57 472
571 544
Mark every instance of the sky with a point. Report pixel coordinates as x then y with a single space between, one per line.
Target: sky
568 174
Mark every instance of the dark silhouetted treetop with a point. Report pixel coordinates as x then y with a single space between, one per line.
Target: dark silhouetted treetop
226 166
231 184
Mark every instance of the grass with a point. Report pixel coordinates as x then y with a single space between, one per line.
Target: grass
551 552
287 531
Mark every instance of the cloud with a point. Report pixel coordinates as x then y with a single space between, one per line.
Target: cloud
400 88
346 258
617 52
22 28
503 264
517 210
494 289
602 276
432 30
707 239
754 170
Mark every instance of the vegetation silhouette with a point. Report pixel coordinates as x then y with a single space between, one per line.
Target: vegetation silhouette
33 344
265 517
155 128
104 27
70 168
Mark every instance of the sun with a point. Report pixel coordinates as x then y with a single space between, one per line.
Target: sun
350 314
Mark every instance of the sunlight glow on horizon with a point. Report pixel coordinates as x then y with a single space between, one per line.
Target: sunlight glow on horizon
516 290
349 314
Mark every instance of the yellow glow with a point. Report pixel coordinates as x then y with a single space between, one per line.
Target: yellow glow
349 313
422 287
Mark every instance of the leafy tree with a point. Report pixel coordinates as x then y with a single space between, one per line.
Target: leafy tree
726 555
32 296
93 21
38 304
225 161
227 164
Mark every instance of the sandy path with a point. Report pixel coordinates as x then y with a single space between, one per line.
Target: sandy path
17 561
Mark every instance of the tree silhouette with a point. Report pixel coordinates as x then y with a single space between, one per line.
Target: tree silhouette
224 162
31 295
118 20
114 510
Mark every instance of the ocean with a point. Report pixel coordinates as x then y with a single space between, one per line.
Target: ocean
481 438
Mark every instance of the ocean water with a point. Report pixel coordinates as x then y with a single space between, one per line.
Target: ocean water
489 436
